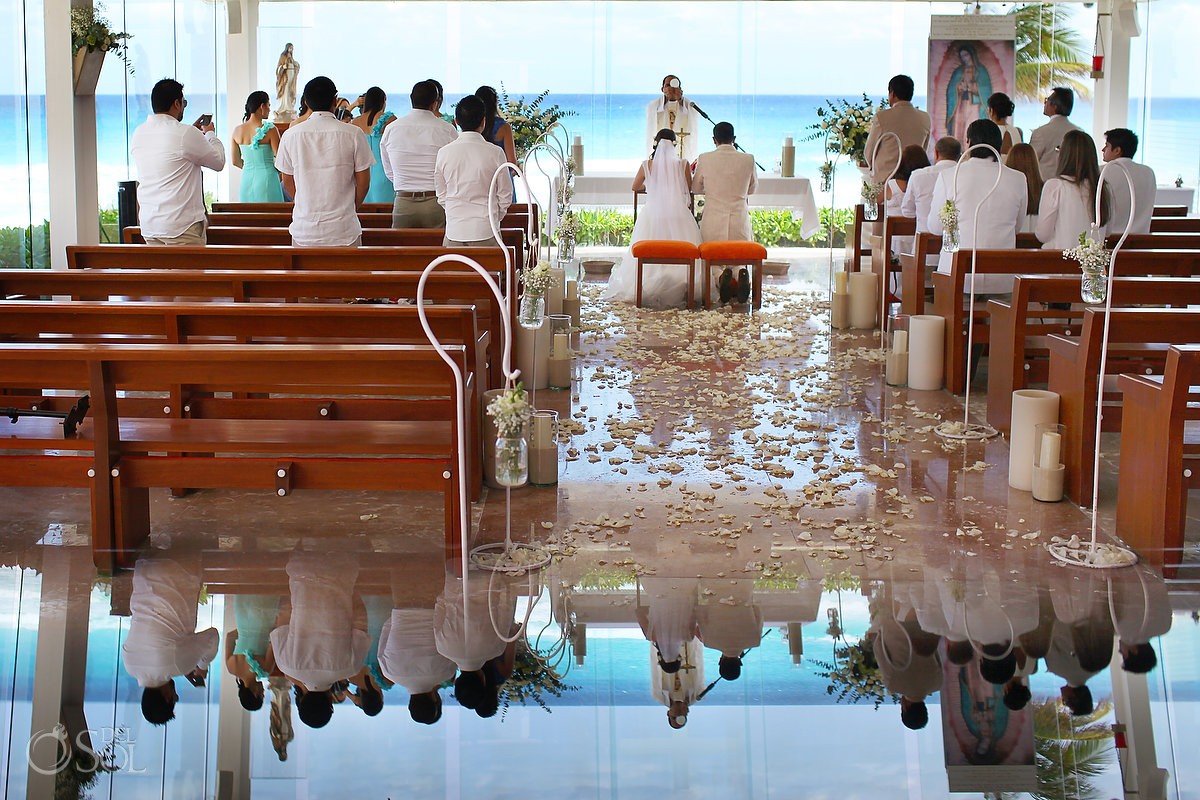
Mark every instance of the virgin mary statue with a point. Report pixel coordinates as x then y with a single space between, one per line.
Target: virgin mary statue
286 73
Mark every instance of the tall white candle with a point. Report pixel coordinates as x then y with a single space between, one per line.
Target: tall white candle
1030 408
577 140
926 344
557 291
1051 449
864 303
839 282
787 141
900 342
561 348
572 290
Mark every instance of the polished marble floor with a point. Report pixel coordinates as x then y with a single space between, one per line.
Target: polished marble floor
731 485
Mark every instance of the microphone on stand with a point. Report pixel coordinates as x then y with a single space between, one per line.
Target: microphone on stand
736 146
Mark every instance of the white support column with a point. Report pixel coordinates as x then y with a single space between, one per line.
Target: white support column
241 71
1143 778
70 142
1111 109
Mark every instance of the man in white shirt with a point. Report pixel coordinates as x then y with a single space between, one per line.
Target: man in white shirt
408 151
1046 139
1001 214
163 641
169 155
676 112
326 166
1120 146
919 195
462 178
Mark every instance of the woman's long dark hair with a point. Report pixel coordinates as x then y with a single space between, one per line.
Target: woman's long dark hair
913 158
253 102
374 101
665 133
491 108
1077 161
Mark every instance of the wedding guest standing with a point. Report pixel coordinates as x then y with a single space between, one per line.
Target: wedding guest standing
168 156
1023 159
1046 139
901 118
373 121
1000 110
409 151
462 178
255 143
1120 146
497 130
1068 205
326 167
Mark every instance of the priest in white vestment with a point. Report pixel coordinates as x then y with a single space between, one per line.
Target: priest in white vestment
726 178
676 112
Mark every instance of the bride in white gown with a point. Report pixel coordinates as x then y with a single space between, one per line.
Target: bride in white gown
667 180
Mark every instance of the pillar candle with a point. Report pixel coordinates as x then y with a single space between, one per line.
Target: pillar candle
533 353
864 303
839 310
839 282
557 291
926 344
543 449
571 309
1030 408
787 160
572 290
577 154
1051 449
900 342
559 371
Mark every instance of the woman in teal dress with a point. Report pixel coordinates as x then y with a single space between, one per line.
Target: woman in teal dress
372 121
255 142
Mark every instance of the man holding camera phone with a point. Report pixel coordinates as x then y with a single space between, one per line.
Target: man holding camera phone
169 155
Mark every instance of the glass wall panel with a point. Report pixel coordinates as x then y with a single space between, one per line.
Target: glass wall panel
25 205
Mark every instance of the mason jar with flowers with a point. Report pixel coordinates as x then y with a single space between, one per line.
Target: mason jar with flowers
1094 259
535 281
510 412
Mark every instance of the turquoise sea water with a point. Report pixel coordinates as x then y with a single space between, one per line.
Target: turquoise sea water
612 127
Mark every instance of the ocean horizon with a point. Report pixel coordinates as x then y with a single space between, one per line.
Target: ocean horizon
612 127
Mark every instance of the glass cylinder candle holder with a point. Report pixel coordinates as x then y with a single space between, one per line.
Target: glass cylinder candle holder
1049 472
562 358
543 449
897 354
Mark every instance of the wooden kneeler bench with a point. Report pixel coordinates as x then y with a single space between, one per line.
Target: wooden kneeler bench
666 252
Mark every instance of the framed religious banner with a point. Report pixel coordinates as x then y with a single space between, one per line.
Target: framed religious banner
970 59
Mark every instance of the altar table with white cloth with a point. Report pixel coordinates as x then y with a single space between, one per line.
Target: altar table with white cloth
1170 196
774 191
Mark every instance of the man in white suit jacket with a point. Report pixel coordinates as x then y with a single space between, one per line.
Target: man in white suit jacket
726 178
1001 214
1046 139
1120 145
902 118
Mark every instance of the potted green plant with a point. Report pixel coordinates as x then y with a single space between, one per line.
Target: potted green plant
91 38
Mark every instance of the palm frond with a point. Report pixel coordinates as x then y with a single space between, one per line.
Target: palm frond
1049 52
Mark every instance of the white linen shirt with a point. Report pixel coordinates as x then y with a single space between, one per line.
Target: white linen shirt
409 149
323 155
169 155
1145 188
408 654
918 196
163 641
1064 213
462 174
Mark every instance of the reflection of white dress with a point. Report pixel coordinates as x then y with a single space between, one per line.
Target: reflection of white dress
664 216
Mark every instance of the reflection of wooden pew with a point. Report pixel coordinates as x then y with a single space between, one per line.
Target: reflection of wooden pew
1159 455
1018 357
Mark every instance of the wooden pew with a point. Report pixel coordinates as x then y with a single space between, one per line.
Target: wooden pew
1175 225
1138 340
133 454
912 280
260 285
372 237
881 256
1159 455
1169 211
228 207
368 219
1018 356
949 299
248 323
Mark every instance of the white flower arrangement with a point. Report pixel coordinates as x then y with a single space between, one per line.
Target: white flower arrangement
568 227
537 280
826 171
1091 253
510 411
949 216
844 126
870 193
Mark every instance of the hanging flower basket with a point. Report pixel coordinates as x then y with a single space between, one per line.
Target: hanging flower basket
91 38
949 218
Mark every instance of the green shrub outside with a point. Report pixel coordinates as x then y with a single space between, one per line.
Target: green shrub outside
771 228
25 248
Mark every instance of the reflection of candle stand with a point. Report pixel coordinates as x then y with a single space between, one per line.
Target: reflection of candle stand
561 358
1073 551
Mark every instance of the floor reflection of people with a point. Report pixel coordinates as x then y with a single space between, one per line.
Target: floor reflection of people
408 655
667 616
163 641
247 646
465 632
1141 611
319 646
281 730
679 683
907 655
731 623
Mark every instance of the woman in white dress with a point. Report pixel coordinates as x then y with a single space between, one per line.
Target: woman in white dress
1069 200
668 182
